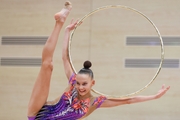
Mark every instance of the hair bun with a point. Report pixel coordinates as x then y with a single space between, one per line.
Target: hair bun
87 64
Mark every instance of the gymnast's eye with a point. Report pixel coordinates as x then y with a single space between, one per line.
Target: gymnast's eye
84 84
77 83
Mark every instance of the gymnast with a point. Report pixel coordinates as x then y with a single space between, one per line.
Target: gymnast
77 102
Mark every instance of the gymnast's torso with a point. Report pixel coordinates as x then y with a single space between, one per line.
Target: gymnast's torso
69 107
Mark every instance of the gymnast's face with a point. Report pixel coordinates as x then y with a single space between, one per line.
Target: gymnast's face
84 84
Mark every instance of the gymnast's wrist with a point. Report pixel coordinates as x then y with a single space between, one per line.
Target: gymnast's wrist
67 29
154 96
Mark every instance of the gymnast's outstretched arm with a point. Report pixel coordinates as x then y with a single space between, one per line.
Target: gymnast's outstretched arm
65 56
135 99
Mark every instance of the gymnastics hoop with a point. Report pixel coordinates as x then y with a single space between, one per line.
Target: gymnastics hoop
136 11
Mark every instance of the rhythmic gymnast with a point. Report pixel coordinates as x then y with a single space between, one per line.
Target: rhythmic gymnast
77 102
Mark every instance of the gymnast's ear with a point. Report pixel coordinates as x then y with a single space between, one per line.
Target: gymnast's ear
93 82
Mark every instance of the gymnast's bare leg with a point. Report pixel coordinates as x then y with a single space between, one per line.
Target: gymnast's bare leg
41 87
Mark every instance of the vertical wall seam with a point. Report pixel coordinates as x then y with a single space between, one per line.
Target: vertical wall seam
90 31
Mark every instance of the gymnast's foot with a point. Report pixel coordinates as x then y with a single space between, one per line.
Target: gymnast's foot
62 15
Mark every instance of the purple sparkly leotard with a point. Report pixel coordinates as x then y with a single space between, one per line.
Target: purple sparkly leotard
68 107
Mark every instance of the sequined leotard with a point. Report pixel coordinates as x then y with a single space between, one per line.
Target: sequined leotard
68 107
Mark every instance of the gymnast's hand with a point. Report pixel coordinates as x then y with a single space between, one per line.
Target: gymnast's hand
72 25
162 91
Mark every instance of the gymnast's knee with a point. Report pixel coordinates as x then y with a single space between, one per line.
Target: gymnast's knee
47 65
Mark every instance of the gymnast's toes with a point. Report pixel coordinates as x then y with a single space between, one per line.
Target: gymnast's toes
62 15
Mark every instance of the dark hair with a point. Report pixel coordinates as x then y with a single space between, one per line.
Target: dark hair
87 64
